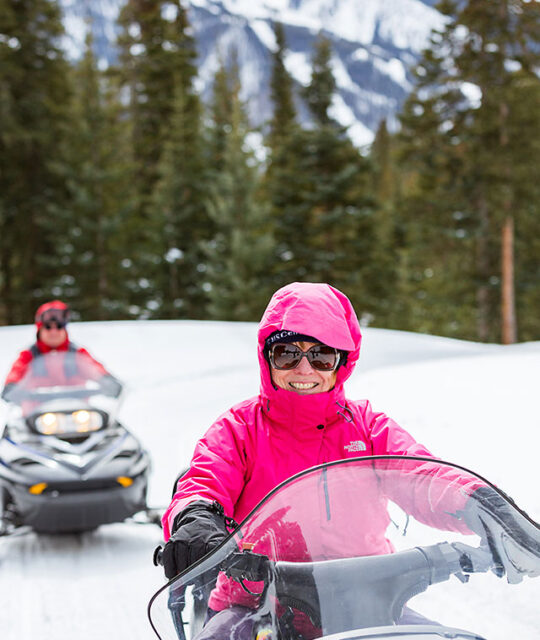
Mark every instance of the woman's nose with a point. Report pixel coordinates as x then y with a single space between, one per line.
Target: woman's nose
304 366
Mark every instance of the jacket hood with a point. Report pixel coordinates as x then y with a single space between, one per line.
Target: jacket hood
55 305
313 309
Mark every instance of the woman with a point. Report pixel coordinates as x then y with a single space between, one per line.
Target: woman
300 418
308 345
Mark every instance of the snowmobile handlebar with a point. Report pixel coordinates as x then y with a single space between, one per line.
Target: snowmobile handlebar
435 563
157 558
50 393
359 591
107 385
438 562
386 582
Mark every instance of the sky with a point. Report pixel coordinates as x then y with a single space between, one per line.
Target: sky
472 404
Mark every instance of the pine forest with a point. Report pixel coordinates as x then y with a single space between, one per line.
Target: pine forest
126 196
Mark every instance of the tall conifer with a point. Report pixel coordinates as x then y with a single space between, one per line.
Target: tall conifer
386 273
34 110
240 254
280 179
283 119
326 212
91 246
157 57
181 219
320 91
461 130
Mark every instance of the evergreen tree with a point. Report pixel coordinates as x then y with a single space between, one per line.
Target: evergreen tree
180 212
325 213
384 176
241 252
34 111
279 186
152 46
387 274
319 93
470 167
524 136
329 217
157 57
91 244
221 115
283 122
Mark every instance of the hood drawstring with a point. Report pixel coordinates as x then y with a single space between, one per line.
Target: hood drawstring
348 416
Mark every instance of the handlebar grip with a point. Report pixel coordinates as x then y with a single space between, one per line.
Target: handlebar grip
158 556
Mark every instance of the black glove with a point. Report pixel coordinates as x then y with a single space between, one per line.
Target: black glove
198 529
513 539
110 385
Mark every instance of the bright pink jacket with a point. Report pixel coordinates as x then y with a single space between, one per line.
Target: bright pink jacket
262 441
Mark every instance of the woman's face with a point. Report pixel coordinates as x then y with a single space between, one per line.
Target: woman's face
304 379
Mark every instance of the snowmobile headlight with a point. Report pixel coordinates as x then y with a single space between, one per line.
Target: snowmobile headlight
58 424
87 420
47 423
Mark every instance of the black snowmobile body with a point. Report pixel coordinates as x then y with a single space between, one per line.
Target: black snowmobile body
66 463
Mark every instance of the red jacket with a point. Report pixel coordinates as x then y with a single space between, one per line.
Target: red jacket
26 357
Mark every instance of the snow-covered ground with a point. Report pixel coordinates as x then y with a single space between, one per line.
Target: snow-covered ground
472 404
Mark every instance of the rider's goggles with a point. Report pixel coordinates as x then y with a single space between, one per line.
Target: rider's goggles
288 356
57 317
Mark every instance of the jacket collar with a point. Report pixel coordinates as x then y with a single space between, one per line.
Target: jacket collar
46 349
303 415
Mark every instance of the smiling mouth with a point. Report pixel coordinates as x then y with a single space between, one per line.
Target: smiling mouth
303 386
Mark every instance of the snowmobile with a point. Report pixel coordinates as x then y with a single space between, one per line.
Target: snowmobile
307 561
66 463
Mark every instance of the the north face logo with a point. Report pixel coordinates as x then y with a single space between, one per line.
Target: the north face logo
356 445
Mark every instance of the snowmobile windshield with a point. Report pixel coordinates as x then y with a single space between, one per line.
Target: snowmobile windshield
373 547
63 393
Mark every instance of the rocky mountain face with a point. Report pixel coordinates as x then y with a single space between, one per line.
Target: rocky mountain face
375 43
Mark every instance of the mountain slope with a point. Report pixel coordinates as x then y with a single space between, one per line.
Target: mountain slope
374 42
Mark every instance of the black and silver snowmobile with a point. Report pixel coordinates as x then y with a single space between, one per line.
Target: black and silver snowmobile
66 463
307 562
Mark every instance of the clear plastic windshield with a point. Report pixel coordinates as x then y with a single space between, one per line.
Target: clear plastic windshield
63 394
366 548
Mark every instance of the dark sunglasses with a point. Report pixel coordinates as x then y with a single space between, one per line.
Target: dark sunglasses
288 356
